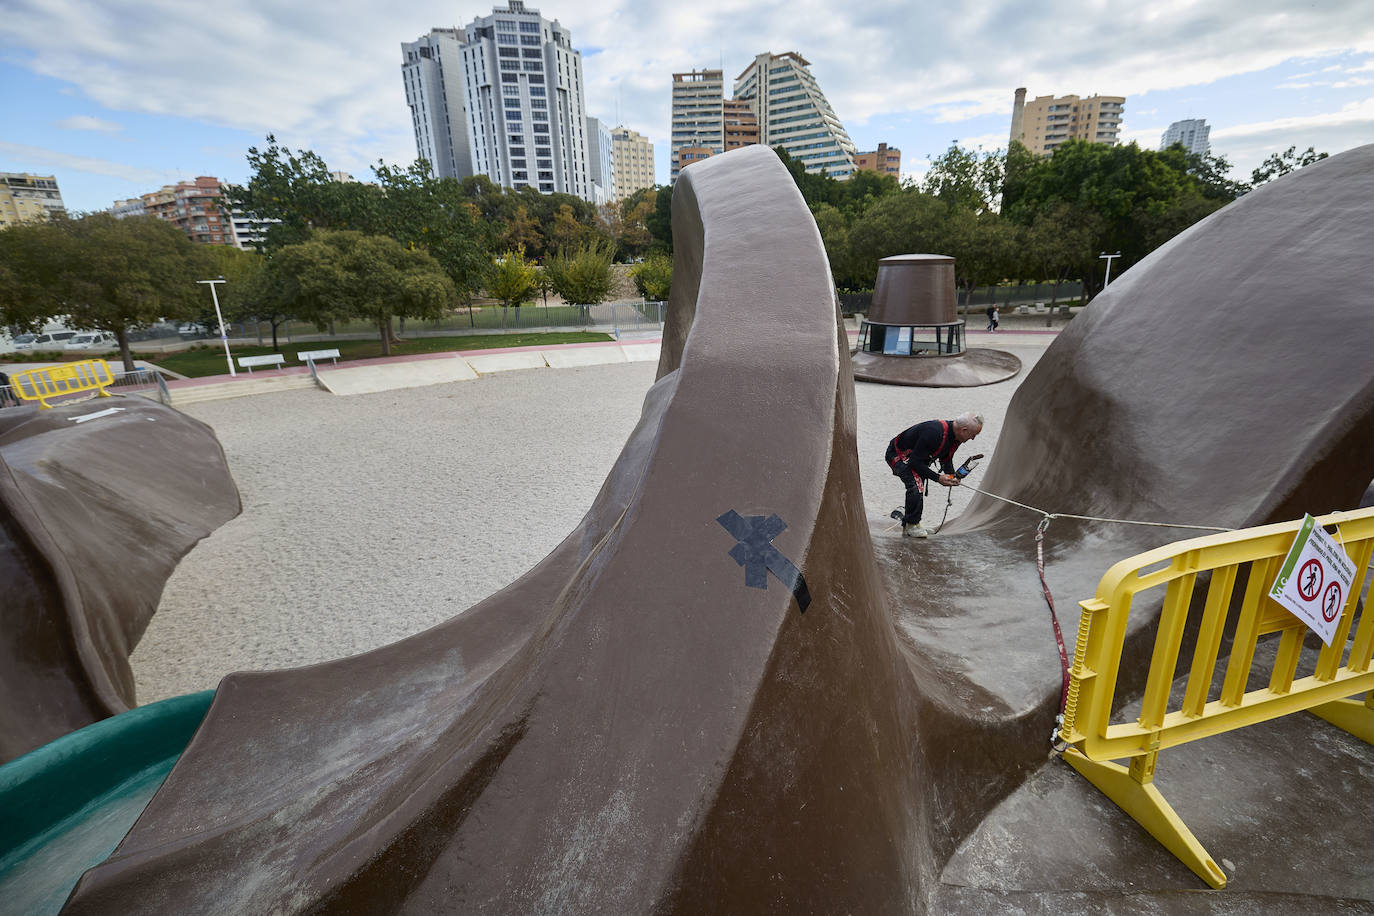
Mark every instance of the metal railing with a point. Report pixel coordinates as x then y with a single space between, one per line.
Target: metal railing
1169 717
142 381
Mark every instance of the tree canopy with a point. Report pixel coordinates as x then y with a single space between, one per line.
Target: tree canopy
101 273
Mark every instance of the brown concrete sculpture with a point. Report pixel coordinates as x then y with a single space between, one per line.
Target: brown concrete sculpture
713 696
94 515
913 336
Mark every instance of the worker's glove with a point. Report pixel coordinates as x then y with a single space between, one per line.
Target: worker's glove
949 480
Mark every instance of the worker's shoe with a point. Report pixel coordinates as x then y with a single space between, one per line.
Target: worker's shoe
914 531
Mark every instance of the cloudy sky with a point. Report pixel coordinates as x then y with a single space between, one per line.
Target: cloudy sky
121 96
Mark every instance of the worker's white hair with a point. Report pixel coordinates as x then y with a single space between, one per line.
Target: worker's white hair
970 419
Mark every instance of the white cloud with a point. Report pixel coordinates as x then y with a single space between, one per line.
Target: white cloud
329 80
87 122
1246 145
47 160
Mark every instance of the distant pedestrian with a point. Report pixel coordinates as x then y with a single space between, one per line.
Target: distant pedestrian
991 313
995 315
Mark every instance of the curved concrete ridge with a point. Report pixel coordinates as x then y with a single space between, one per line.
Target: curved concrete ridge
630 724
690 706
98 502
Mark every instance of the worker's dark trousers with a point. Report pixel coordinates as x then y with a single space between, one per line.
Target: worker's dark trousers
915 503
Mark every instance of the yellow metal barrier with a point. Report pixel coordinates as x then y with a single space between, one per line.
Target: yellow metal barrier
1253 556
54 381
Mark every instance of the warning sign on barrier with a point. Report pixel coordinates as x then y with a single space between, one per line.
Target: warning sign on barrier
1315 579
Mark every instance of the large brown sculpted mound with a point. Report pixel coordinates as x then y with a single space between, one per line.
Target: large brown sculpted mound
94 515
712 697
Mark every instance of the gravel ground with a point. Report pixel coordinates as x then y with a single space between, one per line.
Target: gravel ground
369 518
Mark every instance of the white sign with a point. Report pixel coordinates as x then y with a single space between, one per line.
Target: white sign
1315 579
107 412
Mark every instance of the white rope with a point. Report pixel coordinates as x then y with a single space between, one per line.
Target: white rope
1093 518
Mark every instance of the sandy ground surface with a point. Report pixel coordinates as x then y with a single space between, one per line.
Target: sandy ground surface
369 518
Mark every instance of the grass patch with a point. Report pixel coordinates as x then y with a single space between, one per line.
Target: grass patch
206 360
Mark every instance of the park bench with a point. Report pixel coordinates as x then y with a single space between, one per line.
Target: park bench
272 359
309 356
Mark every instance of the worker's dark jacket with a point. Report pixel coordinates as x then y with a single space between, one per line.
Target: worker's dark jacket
922 444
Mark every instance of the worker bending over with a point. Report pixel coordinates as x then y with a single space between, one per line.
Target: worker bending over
914 450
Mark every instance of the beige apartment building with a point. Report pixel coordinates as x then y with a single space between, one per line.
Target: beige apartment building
25 198
885 160
633 156
1047 122
698 117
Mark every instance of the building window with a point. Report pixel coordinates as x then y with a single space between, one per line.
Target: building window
510 78
541 128
513 114
535 66
510 90
505 25
529 39
538 91
508 52
517 150
536 78
520 176
546 187
510 65
529 27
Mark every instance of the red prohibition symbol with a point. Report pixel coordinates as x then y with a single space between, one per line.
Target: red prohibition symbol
1310 579
1331 602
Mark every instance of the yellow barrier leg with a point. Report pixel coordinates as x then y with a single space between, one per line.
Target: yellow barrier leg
1352 716
1147 806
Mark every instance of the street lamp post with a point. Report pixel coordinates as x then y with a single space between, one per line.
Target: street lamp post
224 338
1108 257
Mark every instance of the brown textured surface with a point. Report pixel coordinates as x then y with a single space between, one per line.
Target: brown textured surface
914 289
93 519
629 728
973 367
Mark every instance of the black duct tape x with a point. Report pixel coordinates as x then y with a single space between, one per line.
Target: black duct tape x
756 553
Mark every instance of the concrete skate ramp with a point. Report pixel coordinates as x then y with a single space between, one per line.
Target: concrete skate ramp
94 516
705 700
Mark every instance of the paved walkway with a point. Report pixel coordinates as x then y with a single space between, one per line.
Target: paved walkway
415 370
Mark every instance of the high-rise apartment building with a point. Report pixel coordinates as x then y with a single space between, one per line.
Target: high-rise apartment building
1049 121
698 128
514 83
885 160
25 198
192 206
432 70
1194 134
634 161
793 113
740 124
601 170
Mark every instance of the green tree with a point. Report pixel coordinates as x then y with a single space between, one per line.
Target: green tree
421 210
633 237
247 293
654 276
101 273
1061 243
371 277
1289 160
967 179
513 281
908 222
297 188
660 222
583 277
